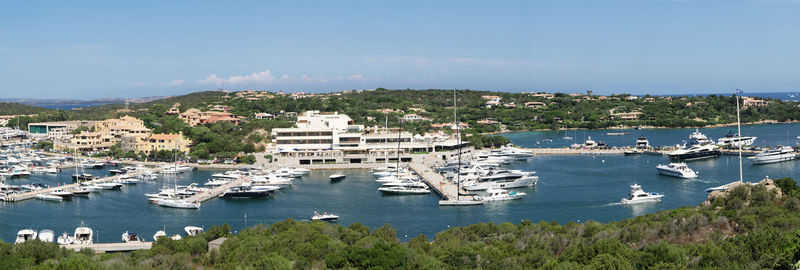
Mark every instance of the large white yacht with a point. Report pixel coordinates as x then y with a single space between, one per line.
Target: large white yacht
518 153
642 143
697 138
46 235
733 139
501 179
676 170
699 151
589 143
638 195
83 235
777 154
404 190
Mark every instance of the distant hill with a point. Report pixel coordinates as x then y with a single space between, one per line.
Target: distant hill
10 108
189 100
76 103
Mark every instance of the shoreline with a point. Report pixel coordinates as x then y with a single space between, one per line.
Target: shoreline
763 122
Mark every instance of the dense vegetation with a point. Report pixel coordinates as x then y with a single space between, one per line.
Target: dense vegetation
10 108
752 227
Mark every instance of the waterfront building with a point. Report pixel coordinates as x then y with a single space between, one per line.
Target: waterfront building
333 138
167 142
42 128
85 141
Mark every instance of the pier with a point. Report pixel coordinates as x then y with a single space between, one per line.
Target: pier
436 182
112 247
32 194
215 192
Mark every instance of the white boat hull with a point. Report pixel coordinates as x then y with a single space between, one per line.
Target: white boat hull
773 159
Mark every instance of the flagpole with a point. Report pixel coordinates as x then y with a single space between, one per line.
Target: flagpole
739 130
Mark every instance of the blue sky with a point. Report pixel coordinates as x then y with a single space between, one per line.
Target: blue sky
86 49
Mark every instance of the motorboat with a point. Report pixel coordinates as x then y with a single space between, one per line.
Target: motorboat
129 237
404 190
246 192
128 180
25 235
110 185
498 194
62 193
589 143
336 177
291 172
82 176
82 191
48 197
635 151
46 236
193 230
93 165
638 195
699 151
325 216
83 235
162 233
407 183
679 170
216 182
179 203
642 143
117 171
777 154
65 239
519 153
733 139
229 175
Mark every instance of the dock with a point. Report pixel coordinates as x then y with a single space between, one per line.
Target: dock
32 194
215 192
112 247
436 182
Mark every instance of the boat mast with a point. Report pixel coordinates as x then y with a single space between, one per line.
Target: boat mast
458 139
739 127
399 132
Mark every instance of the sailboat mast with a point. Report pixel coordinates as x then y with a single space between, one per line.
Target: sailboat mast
458 139
739 127
399 132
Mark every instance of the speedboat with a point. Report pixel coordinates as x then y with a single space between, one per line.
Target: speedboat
589 143
162 233
109 185
676 170
48 197
408 183
404 190
216 182
129 237
733 139
325 216
46 235
193 230
336 177
179 203
65 239
83 235
638 195
699 151
642 143
475 200
246 192
502 179
25 235
497 194
777 154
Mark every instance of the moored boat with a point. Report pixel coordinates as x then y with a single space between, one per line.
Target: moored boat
680 170
637 195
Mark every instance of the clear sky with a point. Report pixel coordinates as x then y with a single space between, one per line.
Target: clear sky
86 49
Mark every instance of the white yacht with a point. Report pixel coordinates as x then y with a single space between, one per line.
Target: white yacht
193 230
216 182
502 179
777 154
516 152
699 151
497 194
638 195
589 143
65 239
62 193
642 143
129 237
404 190
408 183
230 175
179 203
48 197
676 170
733 139
325 216
336 177
698 138
46 236
83 235
25 235
109 185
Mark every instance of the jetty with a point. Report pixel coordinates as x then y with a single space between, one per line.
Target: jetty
32 194
216 192
435 181
111 247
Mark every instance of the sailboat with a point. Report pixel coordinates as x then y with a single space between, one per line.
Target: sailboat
566 137
739 127
475 200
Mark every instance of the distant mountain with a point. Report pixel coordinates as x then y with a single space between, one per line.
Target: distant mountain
75 103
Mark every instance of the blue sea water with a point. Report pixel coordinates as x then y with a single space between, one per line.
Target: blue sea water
570 189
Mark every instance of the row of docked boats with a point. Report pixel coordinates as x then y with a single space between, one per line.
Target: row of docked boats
398 180
84 236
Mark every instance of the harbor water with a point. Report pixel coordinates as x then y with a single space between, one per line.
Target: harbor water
571 189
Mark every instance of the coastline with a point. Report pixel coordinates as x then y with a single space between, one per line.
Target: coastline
762 122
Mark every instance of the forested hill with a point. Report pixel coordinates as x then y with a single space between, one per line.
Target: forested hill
748 227
10 108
